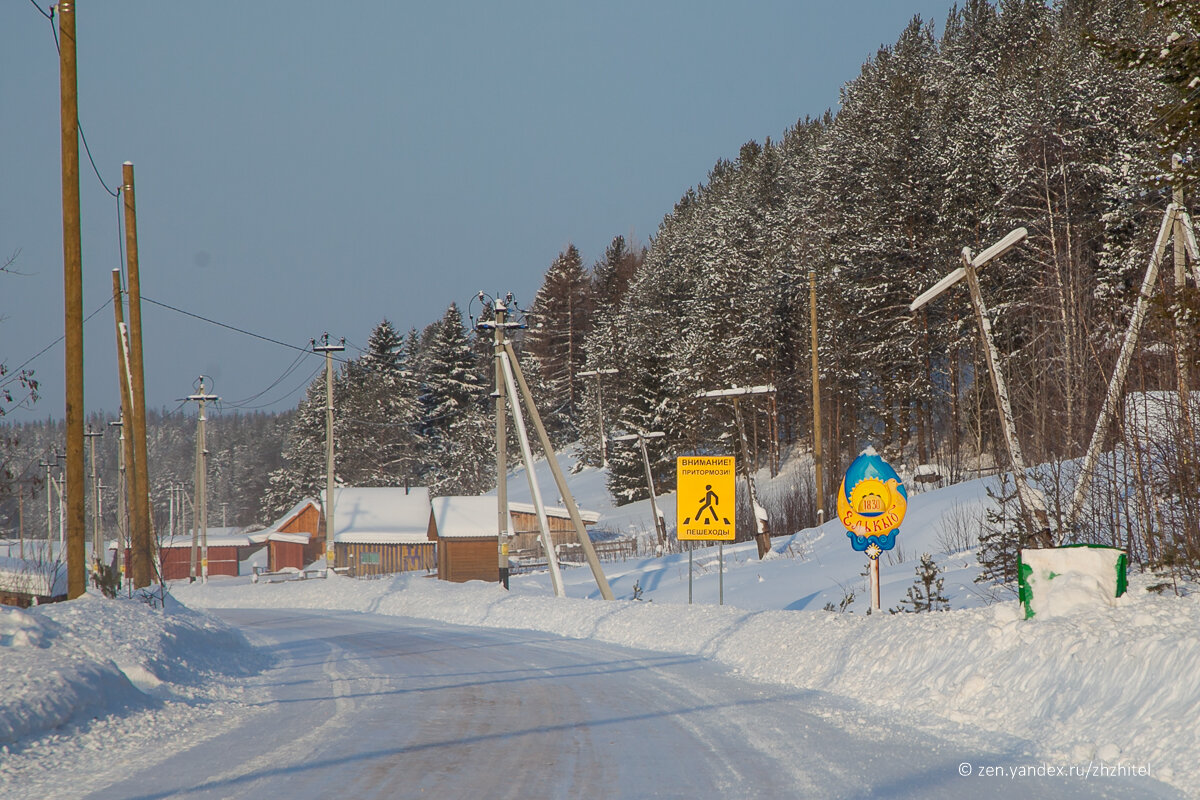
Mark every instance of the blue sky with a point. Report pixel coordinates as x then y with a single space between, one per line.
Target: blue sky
310 166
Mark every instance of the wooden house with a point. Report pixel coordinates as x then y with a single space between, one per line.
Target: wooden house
227 548
467 540
296 540
28 582
381 530
526 535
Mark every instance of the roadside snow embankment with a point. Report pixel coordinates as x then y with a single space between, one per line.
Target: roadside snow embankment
1110 684
93 657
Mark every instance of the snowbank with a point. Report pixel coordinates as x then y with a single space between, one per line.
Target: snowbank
94 657
1113 684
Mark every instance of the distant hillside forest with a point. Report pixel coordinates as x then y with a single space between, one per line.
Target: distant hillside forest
1059 118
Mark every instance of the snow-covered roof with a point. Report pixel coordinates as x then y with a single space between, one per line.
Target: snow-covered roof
465 517
41 578
588 517
217 537
273 533
381 515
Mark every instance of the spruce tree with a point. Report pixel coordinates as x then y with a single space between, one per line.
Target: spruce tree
926 592
560 320
455 422
1002 534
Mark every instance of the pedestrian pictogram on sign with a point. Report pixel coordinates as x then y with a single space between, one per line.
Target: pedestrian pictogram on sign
706 498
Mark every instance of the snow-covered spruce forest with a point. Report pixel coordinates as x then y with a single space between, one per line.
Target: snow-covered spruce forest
1044 117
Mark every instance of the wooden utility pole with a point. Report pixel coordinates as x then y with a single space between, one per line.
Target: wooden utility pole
513 370
818 460
762 531
660 524
1186 232
125 490
73 300
597 373
328 349
1182 340
201 514
1032 504
143 549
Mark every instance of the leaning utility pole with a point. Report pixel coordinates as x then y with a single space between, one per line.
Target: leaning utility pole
762 533
513 370
660 524
201 514
328 349
129 552
596 373
1033 505
518 391
143 549
1186 231
73 300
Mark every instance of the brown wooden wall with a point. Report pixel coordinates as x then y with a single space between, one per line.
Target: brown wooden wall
282 555
392 557
176 562
462 560
310 521
527 537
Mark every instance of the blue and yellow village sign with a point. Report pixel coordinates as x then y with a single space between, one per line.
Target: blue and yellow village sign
871 504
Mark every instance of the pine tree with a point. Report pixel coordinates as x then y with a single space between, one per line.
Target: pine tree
926 592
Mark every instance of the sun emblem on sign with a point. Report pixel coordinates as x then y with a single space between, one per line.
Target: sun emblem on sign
873 551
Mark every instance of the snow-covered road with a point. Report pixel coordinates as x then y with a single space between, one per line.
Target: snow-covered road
366 706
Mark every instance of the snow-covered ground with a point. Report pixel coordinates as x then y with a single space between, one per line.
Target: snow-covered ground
1103 687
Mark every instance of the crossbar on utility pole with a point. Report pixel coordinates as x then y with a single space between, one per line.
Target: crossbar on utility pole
328 349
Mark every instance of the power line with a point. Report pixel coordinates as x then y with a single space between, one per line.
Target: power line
244 404
233 328
16 374
78 123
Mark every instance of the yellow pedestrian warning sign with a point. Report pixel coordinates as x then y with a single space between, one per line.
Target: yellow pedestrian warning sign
706 498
